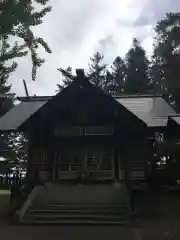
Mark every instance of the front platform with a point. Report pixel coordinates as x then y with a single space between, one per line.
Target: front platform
83 194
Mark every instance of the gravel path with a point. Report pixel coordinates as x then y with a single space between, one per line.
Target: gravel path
67 233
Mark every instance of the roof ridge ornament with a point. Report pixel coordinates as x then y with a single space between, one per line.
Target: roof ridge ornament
81 77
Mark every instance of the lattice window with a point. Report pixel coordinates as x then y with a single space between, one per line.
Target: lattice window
64 161
107 161
93 161
98 130
41 161
78 162
99 160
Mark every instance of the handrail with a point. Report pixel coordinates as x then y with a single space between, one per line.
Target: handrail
28 201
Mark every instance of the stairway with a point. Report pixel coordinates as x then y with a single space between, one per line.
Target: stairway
79 204
77 214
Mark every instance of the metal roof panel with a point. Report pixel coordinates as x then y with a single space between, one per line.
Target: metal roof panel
154 111
19 114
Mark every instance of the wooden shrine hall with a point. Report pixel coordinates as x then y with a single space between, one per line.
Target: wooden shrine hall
86 146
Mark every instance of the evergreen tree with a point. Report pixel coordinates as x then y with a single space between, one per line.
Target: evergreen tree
7 69
109 83
11 144
65 79
17 19
166 56
119 75
137 65
97 70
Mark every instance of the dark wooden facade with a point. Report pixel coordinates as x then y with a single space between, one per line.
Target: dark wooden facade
82 134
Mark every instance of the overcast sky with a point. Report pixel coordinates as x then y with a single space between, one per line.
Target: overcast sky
75 29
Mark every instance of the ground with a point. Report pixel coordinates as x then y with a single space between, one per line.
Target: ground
158 215
68 232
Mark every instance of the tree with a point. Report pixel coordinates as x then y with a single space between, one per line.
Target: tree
119 75
65 79
12 145
137 65
16 20
108 86
5 70
166 56
97 70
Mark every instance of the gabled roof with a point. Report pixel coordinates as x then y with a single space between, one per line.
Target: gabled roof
146 110
153 110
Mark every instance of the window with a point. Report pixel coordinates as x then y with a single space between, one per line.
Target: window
68 131
98 130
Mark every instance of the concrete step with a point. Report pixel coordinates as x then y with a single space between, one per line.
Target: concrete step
76 219
75 222
78 206
79 211
76 216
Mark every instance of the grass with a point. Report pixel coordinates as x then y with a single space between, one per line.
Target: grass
4 204
4 198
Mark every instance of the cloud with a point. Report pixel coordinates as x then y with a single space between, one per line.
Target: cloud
154 11
76 29
105 42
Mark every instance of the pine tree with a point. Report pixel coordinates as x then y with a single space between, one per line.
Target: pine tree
6 52
97 70
109 83
10 143
119 74
166 56
17 19
137 65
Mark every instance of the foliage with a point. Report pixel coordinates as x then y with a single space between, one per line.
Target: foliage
109 86
97 70
65 79
17 18
119 72
12 145
137 66
166 56
6 53
13 152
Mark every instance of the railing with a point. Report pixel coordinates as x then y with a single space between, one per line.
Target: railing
7 182
28 201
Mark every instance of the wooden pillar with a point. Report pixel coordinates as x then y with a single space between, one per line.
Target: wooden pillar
116 164
29 158
54 166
